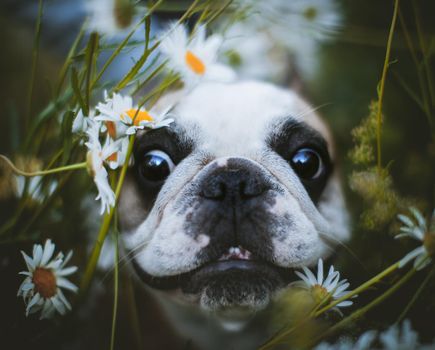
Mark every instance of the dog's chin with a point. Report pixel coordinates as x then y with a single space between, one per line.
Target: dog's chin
233 286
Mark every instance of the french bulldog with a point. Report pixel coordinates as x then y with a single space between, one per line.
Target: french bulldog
222 206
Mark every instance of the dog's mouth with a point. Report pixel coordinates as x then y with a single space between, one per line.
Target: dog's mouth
235 260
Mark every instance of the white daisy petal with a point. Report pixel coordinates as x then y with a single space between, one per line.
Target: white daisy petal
68 271
64 283
48 252
37 254
310 276
59 306
29 261
320 272
411 255
303 277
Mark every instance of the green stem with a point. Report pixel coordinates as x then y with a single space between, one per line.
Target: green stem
92 263
361 312
82 165
35 58
115 292
360 289
382 86
316 313
123 43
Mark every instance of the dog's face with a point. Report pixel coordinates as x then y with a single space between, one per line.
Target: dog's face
220 207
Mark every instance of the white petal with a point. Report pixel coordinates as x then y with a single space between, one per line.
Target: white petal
408 257
67 271
330 277
64 283
310 276
67 258
422 261
47 310
345 303
420 219
303 277
36 298
48 252
63 299
29 261
60 307
406 220
320 272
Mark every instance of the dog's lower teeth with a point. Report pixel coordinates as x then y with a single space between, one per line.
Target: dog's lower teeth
236 253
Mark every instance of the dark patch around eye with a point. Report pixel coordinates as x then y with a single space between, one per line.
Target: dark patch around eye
294 136
170 140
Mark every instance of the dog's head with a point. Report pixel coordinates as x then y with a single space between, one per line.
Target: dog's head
241 189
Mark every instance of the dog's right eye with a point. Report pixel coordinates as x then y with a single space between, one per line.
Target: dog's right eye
156 166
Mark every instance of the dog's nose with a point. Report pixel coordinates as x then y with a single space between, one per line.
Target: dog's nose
233 184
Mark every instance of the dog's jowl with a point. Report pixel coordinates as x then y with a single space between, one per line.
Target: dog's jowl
222 206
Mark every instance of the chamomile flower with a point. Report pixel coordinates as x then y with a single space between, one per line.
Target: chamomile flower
298 26
111 17
364 342
97 155
194 59
400 338
122 117
45 278
417 228
330 288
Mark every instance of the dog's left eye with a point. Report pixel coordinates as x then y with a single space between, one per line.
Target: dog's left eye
307 163
156 165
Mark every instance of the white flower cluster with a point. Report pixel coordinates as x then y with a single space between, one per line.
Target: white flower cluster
276 28
117 119
394 338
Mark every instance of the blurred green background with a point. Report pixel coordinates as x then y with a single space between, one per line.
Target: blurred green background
350 70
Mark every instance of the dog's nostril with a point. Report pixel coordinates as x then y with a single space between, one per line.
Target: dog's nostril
214 191
251 188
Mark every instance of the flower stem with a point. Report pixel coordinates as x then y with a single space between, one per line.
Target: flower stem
43 172
416 295
382 85
104 229
360 289
115 290
316 313
361 312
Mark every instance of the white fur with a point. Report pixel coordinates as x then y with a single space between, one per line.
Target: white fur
228 120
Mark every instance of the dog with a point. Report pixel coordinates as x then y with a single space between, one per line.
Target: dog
221 207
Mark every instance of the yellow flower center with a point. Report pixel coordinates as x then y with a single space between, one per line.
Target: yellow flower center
111 129
138 116
113 157
310 13
320 294
195 63
45 282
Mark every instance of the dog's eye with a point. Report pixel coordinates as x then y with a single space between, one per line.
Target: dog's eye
156 165
307 163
